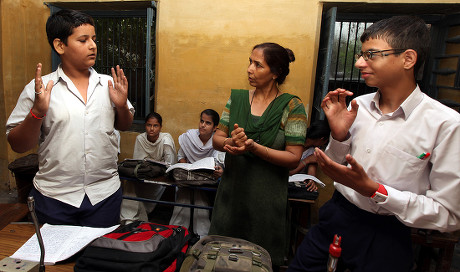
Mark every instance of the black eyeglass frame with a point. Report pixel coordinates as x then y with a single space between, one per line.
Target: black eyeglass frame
369 54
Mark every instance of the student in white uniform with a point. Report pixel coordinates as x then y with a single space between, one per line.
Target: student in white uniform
152 144
196 144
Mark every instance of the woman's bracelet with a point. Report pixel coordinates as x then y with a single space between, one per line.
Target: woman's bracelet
304 164
268 155
223 145
35 116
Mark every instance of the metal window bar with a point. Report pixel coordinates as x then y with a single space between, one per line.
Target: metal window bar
122 41
346 45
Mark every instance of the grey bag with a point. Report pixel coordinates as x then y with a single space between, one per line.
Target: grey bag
194 177
226 254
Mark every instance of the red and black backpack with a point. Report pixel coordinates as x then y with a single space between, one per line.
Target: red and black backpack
138 246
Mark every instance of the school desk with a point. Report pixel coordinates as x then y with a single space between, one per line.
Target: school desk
14 235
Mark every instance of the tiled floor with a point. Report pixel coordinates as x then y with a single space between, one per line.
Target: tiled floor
161 213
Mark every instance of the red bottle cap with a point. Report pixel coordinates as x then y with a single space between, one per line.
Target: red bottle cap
334 249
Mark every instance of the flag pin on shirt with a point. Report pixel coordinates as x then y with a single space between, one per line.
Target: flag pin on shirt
423 156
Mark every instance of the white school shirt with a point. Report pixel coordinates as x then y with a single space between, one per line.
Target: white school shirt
78 145
422 193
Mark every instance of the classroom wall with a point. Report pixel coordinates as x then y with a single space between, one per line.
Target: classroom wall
23 45
203 55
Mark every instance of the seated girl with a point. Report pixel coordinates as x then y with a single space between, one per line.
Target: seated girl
196 144
155 145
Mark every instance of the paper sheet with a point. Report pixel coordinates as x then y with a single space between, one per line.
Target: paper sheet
302 177
61 242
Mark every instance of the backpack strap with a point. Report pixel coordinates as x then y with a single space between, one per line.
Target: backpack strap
211 262
137 168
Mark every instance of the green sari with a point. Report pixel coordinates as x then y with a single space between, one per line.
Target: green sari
251 201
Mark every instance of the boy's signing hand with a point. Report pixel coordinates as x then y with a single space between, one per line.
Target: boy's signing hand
42 94
119 89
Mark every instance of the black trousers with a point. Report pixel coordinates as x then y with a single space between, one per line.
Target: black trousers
370 242
52 211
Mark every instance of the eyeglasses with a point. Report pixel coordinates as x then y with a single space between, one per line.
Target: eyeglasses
368 55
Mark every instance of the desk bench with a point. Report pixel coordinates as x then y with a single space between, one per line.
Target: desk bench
300 218
165 181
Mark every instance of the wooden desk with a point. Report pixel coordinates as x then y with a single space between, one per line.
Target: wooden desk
14 235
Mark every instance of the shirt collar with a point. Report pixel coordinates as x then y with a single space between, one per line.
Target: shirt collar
93 75
406 108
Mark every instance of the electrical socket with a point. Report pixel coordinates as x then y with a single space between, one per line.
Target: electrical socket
9 265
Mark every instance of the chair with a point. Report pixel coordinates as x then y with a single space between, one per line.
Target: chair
434 245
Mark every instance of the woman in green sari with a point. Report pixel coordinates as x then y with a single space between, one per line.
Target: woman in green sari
263 132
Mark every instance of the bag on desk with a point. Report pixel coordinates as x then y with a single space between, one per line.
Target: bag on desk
140 169
138 246
298 189
194 177
220 253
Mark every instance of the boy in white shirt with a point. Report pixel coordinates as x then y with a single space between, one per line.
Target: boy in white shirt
72 114
394 157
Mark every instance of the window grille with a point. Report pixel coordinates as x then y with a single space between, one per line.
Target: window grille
347 43
121 40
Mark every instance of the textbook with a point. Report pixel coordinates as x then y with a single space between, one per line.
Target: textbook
207 163
302 177
61 242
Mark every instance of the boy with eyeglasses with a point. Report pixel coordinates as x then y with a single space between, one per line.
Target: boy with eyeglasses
395 161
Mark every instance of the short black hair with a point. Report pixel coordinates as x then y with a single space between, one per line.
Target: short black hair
60 25
214 115
277 58
154 115
319 129
402 32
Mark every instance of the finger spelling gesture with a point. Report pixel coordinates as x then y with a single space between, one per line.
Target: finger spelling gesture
119 89
42 94
339 117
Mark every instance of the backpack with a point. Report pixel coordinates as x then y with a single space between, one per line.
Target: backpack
298 189
195 177
221 253
140 169
138 246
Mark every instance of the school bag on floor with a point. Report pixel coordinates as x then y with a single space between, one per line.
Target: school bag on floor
138 246
226 254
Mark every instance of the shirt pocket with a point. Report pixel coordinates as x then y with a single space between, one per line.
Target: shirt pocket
399 168
106 119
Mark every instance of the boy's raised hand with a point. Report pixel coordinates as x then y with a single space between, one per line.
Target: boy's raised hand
339 117
42 94
118 91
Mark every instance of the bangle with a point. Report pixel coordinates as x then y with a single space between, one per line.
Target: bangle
268 156
304 164
35 116
225 141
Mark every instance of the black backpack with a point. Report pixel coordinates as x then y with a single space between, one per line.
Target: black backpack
138 246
